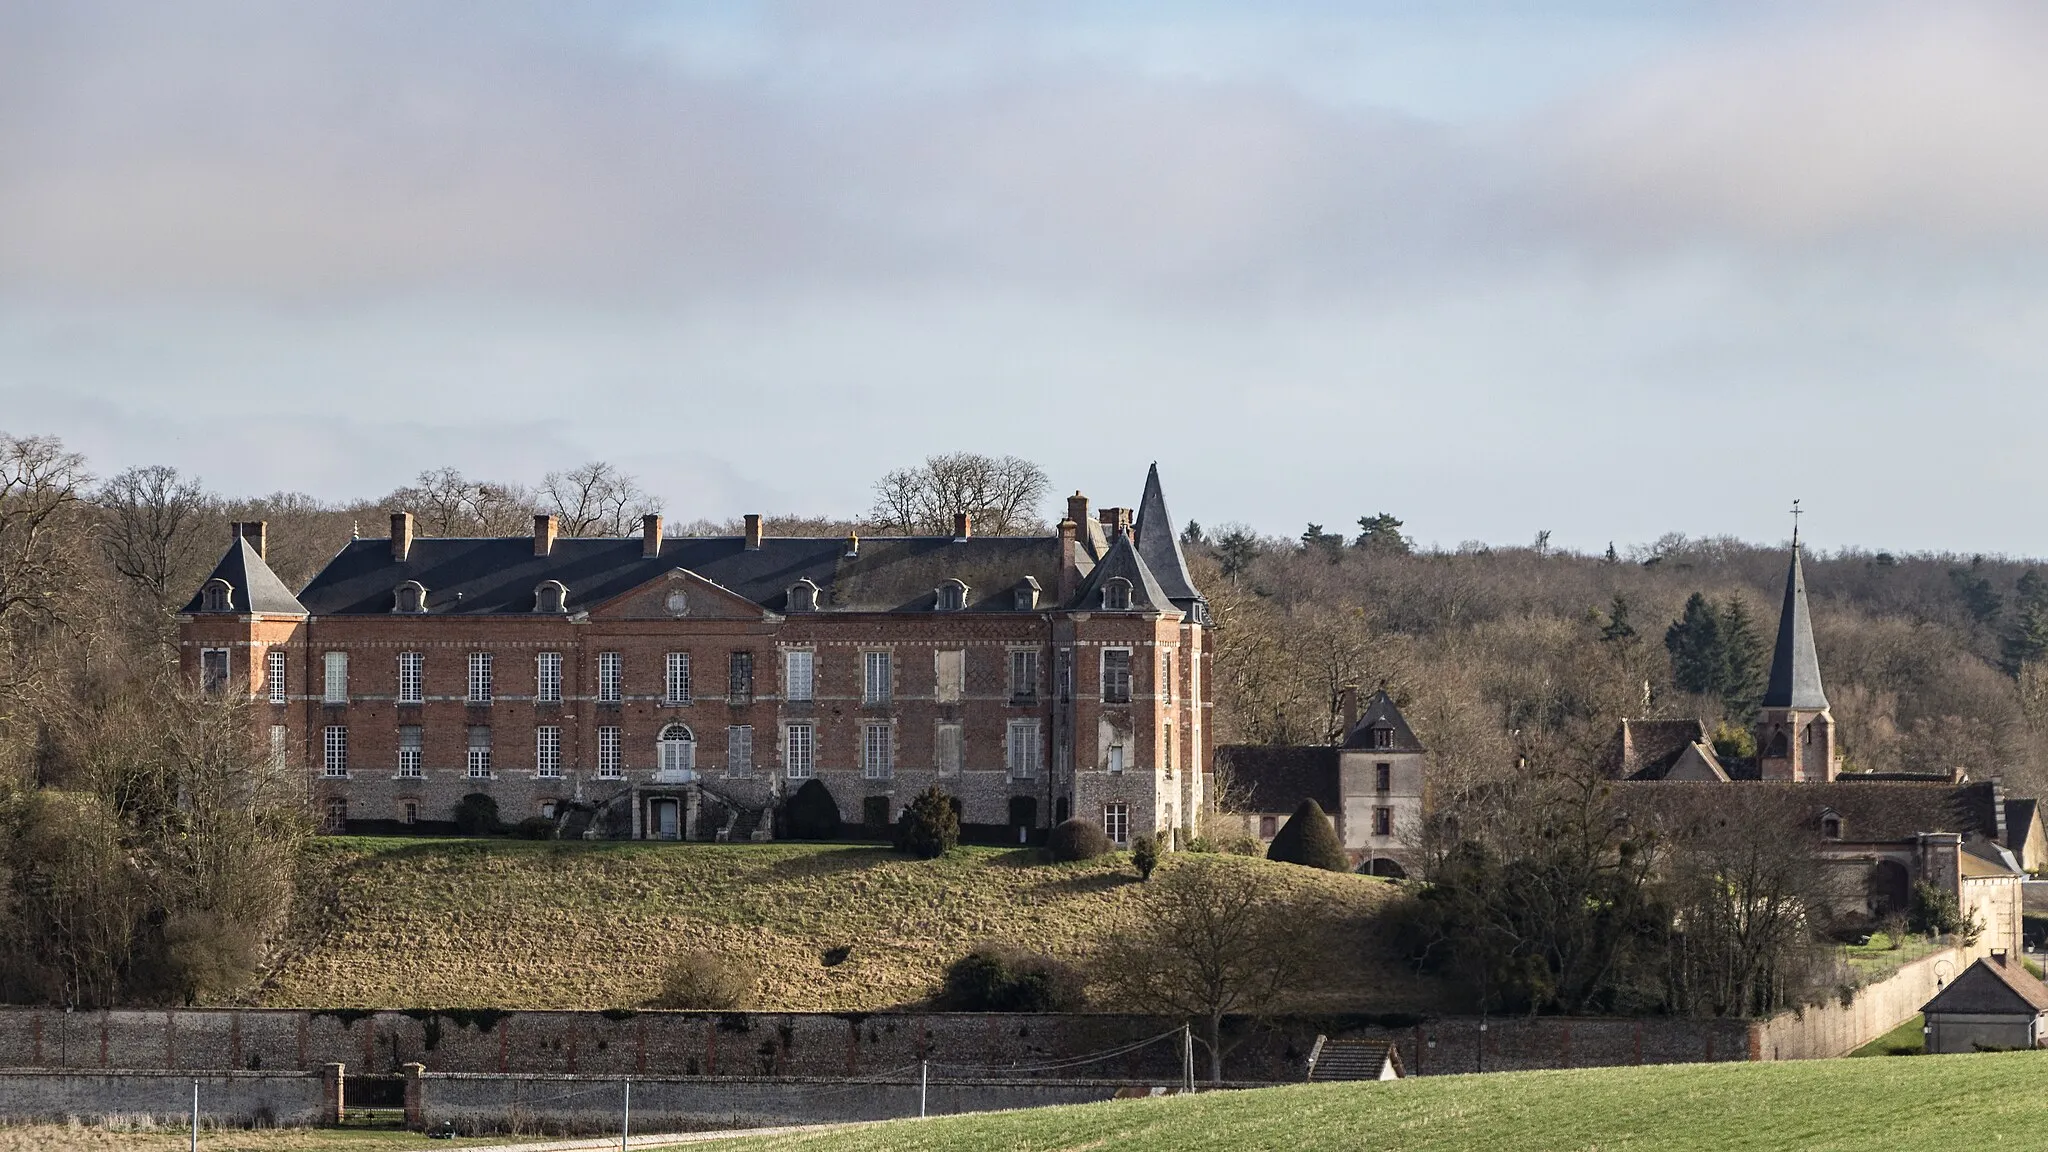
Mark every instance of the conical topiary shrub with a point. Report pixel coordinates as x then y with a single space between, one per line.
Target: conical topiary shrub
930 827
1309 839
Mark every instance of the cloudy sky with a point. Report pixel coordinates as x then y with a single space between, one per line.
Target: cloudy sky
1608 269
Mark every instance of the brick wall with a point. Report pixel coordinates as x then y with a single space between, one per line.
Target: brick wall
225 1098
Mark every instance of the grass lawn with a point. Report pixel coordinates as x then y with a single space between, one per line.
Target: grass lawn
1905 1040
75 1138
527 924
1878 959
1933 1103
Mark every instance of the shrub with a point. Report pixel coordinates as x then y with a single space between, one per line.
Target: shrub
477 815
1310 840
1935 911
1243 846
930 827
1006 978
1144 856
536 828
703 981
1077 839
813 814
1200 844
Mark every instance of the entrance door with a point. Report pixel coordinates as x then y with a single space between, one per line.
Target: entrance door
1023 816
667 822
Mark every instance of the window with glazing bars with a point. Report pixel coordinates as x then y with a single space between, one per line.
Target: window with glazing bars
739 750
1023 749
410 743
273 675
335 688
280 746
947 749
479 677
547 678
801 674
877 755
479 753
547 752
739 677
1023 675
412 676
676 681
608 752
1116 676
334 746
610 669
213 670
1116 823
798 744
875 682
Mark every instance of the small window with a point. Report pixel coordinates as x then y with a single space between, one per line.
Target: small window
1023 749
1382 737
739 750
1114 760
409 812
800 674
547 809
335 688
803 596
1116 595
1268 827
1165 672
952 596
217 596
947 750
739 678
798 744
1806 735
551 597
1026 595
280 746
875 688
1116 676
412 670
411 741
334 749
337 816
610 671
273 675
547 678
877 751
1383 821
676 679
1023 674
409 597
480 687
1382 777
1116 823
1831 826
213 670
608 766
952 674
479 752
547 752
677 749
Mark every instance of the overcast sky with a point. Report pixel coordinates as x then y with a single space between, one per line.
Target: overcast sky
1609 269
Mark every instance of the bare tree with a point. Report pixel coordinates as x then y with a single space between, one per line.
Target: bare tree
1001 493
448 503
151 529
39 487
1214 938
595 500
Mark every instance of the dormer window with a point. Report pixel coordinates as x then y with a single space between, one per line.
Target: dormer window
217 596
551 597
1027 595
1830 826
410 597
952 596
803 596
1116 595
1381 737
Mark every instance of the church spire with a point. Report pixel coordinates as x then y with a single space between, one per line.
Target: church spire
1795 669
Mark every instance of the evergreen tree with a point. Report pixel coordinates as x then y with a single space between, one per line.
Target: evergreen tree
930 826
1236 549
2026 641
1611 557
1316 539
1694 641
1381 533
1191 536
1309 839
1618 629
1743 654
1716 651
1980 599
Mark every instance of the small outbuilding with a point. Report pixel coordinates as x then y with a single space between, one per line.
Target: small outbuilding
1995 1004
1353 1060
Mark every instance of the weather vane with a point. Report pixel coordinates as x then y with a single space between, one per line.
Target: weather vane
1796 514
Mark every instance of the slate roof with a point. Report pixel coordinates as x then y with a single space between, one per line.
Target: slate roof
1380 712
1868 811
256 588
490 576
2019 820
1992 987
1795 669
1277 778
1159 545
1124 561
1646 749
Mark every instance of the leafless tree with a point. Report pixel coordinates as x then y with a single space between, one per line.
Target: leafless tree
150 530
596 499
1001 493
1214 938
447 503
39 490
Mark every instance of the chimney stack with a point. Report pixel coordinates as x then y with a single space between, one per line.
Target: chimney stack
1350 698
753 531
963 526
1070 576
1077 509
401 535
852 544
650 536
1115 522
254 531
543 535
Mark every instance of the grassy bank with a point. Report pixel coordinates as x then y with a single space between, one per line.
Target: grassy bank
83 1138
465 923
1922 1105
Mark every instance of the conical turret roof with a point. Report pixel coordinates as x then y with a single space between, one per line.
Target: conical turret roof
256 589
1159 544
1795 669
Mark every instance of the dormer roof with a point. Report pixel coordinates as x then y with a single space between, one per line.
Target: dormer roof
1380 712
1124 562
256 589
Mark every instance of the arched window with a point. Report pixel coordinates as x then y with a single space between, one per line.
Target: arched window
678 749
1116 595
803 596
952 596
409 597
217 596
551 596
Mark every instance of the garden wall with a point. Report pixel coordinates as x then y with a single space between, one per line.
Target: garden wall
1836 1029
231 1098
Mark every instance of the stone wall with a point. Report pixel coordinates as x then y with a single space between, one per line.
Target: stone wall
229 1098
1835 1029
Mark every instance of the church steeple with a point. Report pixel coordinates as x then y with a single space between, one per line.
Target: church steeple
1795 734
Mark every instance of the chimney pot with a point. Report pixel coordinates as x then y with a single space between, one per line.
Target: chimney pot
753 532
543 535
963 525
853 543
401 536
650 536
1077 509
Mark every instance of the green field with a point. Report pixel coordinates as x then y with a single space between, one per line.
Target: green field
83 1138
1905 1040
1930 1103
524 924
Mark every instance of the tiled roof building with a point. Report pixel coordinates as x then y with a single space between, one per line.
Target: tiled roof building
680 687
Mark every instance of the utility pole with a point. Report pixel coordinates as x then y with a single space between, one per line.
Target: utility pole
1187 1057
195 1116
626 1116
924 1079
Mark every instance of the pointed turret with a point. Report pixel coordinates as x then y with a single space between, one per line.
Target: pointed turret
1160 546
244 585
1795 734
1795 669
